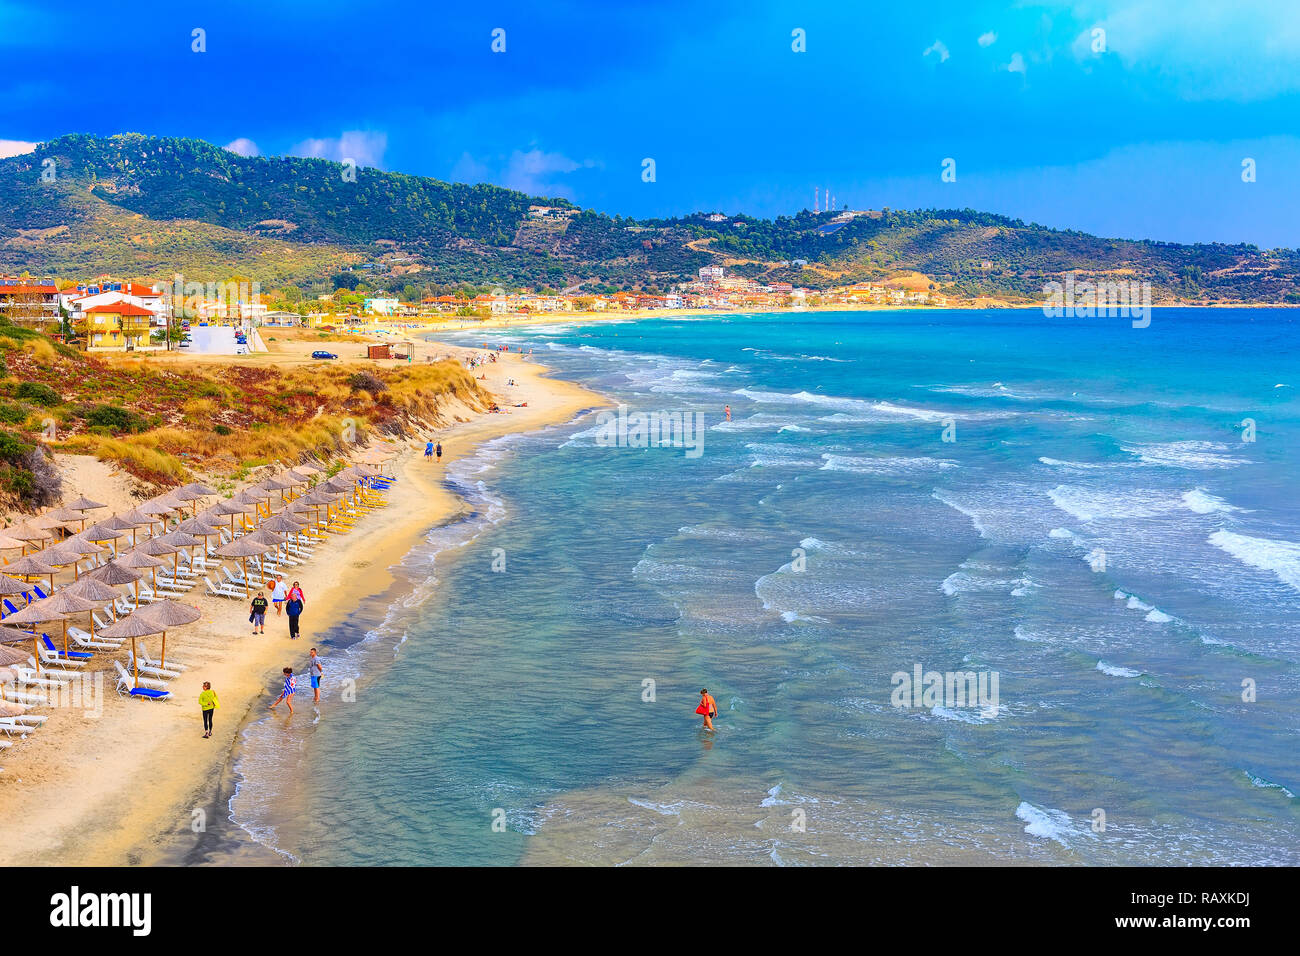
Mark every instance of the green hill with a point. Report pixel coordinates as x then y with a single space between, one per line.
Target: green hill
144 207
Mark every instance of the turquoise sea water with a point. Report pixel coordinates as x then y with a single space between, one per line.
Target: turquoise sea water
1097 533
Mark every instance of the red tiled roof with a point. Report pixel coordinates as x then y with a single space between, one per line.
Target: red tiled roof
16 289
119 308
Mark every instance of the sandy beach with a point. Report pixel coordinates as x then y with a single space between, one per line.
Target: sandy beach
113 787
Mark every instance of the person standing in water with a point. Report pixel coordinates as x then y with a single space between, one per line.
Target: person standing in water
208 703
708 707
315 672
727 409
290 685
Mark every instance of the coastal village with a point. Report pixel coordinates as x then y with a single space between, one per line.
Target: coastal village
104 313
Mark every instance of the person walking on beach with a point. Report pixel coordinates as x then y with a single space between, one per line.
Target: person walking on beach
708 707
290 685
208 703
439 450
258 613
293 607
428 450
315 672
278 594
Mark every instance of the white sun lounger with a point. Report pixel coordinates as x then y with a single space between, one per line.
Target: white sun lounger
152 687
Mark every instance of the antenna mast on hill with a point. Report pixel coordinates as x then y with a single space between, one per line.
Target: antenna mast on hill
817 199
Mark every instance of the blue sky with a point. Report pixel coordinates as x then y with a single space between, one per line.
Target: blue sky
1141 136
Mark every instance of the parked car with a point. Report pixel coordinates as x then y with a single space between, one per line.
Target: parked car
185 343
322 354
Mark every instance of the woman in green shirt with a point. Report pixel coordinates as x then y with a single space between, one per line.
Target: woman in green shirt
208 703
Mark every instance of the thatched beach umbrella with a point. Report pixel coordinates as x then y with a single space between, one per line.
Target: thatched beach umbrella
132 626
232 506
32 566
138 519
115 575
136 561
8 709
27 534
82 503
103 531
170 614
9 655
61 602
31 614
92 590
10 586
60 557
177 541
10 544
243 549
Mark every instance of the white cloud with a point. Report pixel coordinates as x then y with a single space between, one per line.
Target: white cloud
243 147
939 48
363 147
469 170
15 147
987 39
1017 64
534 172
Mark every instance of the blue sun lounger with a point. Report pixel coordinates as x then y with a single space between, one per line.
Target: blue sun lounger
70 655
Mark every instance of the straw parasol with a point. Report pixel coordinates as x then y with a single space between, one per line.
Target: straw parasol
136 561
10 656
60 557
27 534
83 503
103 531
232 507
132 626
92 590
114 574
7 543
10 586
33 615
243 548
170 613
177 541
61 602
8 709
138 519
32 567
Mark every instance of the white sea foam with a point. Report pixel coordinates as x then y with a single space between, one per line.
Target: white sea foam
1115 671
1089 504
1185 454
885 466
1282 558
1204 503
1049 824
974 518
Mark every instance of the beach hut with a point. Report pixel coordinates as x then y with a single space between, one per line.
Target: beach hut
168 614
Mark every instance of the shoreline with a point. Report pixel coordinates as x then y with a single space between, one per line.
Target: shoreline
125 788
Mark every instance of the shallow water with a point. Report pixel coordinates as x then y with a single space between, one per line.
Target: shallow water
1097 534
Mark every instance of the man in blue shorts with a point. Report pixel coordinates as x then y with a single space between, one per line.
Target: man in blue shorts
315 671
